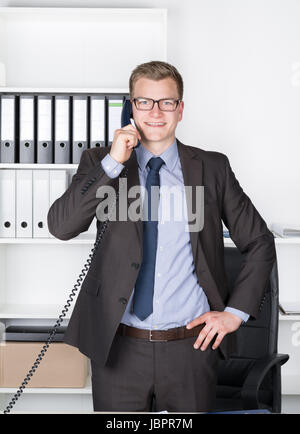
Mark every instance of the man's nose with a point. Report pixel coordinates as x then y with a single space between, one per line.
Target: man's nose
156 110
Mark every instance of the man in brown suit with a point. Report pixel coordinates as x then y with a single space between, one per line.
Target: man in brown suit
154 306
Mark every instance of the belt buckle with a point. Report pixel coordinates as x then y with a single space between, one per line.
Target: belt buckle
155 340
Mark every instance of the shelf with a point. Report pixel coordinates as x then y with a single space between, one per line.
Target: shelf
78 240
37 166
35 311
79 12
87 390
64 90
88 240
291 240
283 317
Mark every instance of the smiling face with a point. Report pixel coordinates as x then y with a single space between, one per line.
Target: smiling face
157 128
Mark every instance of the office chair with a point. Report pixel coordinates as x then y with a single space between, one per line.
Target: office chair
251 378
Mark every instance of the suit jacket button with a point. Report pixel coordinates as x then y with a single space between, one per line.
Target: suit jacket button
135 265
123 300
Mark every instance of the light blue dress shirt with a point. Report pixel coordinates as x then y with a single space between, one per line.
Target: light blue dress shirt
178 297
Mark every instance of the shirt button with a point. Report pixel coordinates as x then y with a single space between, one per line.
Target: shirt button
161 248
158 274
123 300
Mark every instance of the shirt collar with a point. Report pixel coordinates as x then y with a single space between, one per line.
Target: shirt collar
169 156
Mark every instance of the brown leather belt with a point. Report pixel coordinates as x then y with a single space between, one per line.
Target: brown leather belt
159 335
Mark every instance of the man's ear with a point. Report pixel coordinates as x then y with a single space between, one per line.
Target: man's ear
181 107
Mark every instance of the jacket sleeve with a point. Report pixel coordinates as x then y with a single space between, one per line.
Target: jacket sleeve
73 212
250 234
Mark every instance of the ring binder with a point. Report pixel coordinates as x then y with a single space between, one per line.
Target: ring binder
41 191
8 129
7 203
79 127
62 129
114 112
97 121
27 116
24 203
44 129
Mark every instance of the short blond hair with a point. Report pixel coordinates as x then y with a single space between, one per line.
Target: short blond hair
156 70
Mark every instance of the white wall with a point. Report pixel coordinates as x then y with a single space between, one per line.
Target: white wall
240 61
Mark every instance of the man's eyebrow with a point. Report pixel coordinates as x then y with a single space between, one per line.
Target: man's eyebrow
149 97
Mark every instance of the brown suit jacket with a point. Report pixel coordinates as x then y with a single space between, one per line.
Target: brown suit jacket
113 271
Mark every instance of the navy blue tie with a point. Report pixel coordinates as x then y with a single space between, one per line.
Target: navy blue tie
144 287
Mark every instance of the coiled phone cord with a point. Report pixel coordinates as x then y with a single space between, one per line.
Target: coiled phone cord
64 311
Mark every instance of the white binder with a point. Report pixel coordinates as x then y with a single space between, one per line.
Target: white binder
7 203
115 105
79 119
97 121
41 193
27 151
62 153
44 130
8 129
58 183
24 203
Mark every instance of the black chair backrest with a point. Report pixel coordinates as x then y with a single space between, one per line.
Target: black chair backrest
256 338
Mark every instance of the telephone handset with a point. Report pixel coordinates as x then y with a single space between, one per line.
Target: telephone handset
127 114
126 118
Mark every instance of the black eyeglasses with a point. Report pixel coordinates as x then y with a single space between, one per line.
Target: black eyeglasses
164 104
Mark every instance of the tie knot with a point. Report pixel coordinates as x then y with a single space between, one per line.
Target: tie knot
155 163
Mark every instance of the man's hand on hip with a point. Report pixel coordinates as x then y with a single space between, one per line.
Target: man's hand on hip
216 323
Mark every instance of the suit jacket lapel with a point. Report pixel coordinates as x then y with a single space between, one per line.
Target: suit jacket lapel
192 170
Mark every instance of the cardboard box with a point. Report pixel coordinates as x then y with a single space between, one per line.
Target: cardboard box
61 366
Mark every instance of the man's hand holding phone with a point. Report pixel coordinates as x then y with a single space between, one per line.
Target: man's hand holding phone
125 139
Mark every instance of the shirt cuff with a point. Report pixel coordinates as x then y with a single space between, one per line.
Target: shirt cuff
111 167
244 316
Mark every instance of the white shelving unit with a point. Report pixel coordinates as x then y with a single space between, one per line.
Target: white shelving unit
73 51
35 166
278 241
80 239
